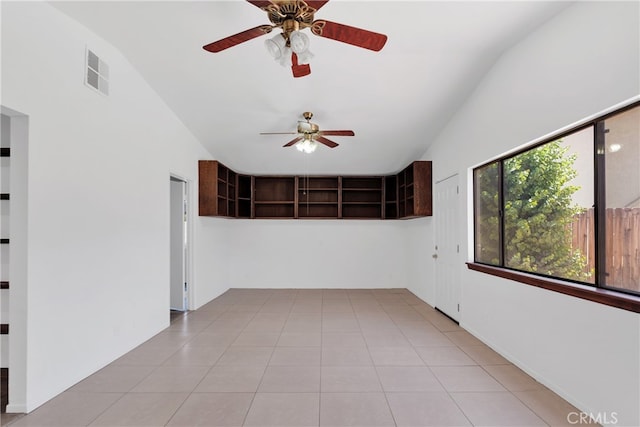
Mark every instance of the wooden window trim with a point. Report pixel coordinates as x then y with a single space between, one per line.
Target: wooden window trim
608 297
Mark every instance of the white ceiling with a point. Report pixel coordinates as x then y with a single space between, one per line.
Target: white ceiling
396 100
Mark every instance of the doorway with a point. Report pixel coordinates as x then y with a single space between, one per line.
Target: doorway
179 283
14 143
447 247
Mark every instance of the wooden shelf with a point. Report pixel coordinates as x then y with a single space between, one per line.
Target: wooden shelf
319 183
245 190
415 190
273 202
391 197
274 189
318 197
274 210
274 197
362 197
318 210
217 189
362 211
226 193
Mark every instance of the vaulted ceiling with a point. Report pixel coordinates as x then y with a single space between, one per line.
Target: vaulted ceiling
396 100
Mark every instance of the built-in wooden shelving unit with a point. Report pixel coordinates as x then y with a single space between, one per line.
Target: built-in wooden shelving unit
223 192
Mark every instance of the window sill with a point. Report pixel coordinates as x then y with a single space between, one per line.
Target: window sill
602 296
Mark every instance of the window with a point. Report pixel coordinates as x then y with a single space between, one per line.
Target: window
487 214
621 201
567 208
97 73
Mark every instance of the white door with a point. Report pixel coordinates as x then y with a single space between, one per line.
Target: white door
178 242
447 247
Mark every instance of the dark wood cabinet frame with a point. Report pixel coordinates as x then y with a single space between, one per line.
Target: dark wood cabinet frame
225 193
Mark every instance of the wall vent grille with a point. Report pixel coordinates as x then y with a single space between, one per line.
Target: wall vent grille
96 73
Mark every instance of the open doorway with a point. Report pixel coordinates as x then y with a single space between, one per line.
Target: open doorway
14 144
179 283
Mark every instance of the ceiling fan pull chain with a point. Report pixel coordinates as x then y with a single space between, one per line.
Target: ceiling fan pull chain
299 70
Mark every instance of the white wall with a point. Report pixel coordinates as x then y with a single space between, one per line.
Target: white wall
420 245
583 61
98 196
317 254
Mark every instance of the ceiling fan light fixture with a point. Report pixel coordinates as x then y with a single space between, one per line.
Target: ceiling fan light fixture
304 57
277 46
299 42
307 145
285 59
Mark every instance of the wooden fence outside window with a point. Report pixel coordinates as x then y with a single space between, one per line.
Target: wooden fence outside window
622 247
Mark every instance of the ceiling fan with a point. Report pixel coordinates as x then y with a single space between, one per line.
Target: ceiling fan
292 16
309 135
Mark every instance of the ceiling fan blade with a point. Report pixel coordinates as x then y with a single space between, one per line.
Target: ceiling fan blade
350 35
316 4
278 133
293 141
337 132
260 3
329 143
236 39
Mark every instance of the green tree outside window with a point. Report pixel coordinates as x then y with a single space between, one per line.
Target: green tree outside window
538 213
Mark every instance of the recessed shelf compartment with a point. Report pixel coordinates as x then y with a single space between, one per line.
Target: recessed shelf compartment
318 183
274 189
391 197
362 197
319 210
274 209
317 196
362 211
245 185
274 197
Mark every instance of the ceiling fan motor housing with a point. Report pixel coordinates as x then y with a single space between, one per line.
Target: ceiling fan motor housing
308 128
297 11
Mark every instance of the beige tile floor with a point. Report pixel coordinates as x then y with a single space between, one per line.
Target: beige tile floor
308 358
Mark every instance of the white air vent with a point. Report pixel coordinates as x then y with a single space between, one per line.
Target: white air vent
97 73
